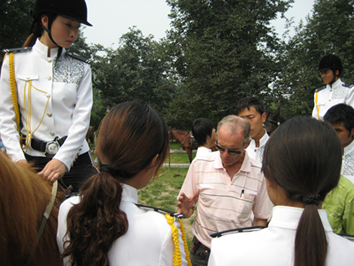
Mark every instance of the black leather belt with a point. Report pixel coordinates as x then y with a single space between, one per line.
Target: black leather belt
49 147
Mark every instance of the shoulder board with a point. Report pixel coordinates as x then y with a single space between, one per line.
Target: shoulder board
14 50
349 237
238 230
78 57
347 85
319 89
162 211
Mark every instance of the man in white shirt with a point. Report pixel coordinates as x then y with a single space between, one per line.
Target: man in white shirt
341 117
204 133
253 110
334 91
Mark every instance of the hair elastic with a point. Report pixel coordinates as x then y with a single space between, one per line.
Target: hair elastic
312 199
114 172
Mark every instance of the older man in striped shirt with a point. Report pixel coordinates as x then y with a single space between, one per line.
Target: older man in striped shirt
227 186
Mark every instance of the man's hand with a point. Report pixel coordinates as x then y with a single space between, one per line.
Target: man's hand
186 205
53 170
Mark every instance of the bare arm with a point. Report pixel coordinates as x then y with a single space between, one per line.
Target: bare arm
186 205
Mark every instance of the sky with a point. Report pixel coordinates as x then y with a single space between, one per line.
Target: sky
112 18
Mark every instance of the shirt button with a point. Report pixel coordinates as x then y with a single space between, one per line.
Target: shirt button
49 60
52 133
49 78
49 114
47 95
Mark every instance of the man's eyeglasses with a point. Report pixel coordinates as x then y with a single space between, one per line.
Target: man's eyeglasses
231 152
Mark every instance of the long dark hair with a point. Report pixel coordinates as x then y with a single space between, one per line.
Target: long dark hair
130 136
304 158
37 28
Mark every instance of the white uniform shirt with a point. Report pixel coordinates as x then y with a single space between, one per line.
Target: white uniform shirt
328 96
202 151
348 162
148 240
274 245
65 88
256 153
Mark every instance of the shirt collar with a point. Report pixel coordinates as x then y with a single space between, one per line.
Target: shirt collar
42 49
349 148
336 84
245 167
289 217
130 194
262 141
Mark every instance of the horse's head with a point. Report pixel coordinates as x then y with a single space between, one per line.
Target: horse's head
274 120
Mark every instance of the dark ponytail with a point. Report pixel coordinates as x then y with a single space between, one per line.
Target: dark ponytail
304 158
130 136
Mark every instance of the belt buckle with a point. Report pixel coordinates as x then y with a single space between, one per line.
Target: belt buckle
52 147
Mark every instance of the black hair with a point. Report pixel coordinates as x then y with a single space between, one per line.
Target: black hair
340 113
249 102
202 127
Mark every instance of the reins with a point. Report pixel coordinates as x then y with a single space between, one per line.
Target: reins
46 215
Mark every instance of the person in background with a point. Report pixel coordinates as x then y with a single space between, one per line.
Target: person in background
204 133
341 118
253 110
53 90
339 203
334 91
300 171
104 225
228 187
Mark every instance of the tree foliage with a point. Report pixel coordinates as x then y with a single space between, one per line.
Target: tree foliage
223 51
135 70
330 30
15 22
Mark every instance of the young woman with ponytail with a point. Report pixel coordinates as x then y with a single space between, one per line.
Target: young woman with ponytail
104 225
302 162
51 91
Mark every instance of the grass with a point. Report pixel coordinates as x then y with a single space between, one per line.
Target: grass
162 192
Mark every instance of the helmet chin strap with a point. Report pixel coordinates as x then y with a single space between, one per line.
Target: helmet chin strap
51 38
334 77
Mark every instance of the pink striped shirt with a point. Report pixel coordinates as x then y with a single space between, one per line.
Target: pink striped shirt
223 203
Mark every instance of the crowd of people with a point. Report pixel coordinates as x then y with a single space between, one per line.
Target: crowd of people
294 188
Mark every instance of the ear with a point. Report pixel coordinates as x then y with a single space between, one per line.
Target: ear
352 132
45 21
248 143
153 162
337 72
264 117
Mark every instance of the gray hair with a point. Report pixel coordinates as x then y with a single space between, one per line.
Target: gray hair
233 122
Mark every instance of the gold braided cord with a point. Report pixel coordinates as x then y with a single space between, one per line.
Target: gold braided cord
184 238
13 89
28 111
317 106
177 258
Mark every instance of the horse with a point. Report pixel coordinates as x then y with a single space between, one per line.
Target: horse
186 140
24 196
274 120
90 135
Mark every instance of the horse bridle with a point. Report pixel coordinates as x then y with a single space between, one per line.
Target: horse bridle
46 215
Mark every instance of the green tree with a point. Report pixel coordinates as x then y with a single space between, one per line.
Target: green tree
330 29
15 22
222 51
135 70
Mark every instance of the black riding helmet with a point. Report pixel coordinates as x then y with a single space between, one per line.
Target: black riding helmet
72 9
331 62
